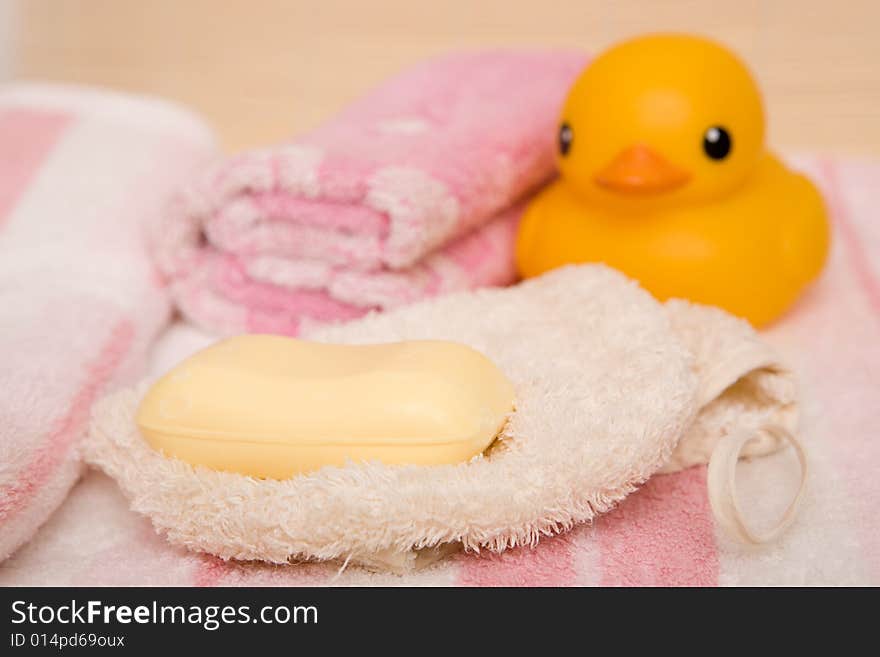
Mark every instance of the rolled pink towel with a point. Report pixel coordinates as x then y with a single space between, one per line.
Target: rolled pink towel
409 192
81 174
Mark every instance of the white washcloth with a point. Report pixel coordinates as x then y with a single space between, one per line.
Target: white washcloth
611 387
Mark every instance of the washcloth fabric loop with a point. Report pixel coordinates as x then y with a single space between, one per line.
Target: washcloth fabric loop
721 483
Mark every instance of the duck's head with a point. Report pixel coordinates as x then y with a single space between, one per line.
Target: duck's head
661 120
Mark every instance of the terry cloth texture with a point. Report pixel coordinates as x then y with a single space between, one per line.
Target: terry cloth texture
81 174
410 192
661 535
609 383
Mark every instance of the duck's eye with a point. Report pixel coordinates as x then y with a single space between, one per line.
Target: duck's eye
566 136
717 143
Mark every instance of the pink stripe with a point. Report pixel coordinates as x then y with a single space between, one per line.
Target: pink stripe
550 563
858 257
210 570
56 447
663 535
27 137
327 215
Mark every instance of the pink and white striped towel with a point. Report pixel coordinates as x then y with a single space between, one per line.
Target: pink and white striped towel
663 534
406 194
81 171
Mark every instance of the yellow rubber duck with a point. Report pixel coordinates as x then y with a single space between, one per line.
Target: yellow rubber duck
664 176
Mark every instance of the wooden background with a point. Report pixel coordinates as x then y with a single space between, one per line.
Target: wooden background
261 70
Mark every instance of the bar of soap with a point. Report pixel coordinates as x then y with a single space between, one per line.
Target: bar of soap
274 407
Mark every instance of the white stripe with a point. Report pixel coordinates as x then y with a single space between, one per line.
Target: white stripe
81 221
136 113
821 547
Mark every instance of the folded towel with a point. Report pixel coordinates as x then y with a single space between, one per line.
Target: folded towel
80 173
404 195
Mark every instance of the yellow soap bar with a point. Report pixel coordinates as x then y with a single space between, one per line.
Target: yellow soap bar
270 406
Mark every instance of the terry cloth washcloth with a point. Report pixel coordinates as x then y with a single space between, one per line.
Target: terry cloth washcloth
406 194
81 171
611 387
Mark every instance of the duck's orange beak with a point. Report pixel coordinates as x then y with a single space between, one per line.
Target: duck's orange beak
641 170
